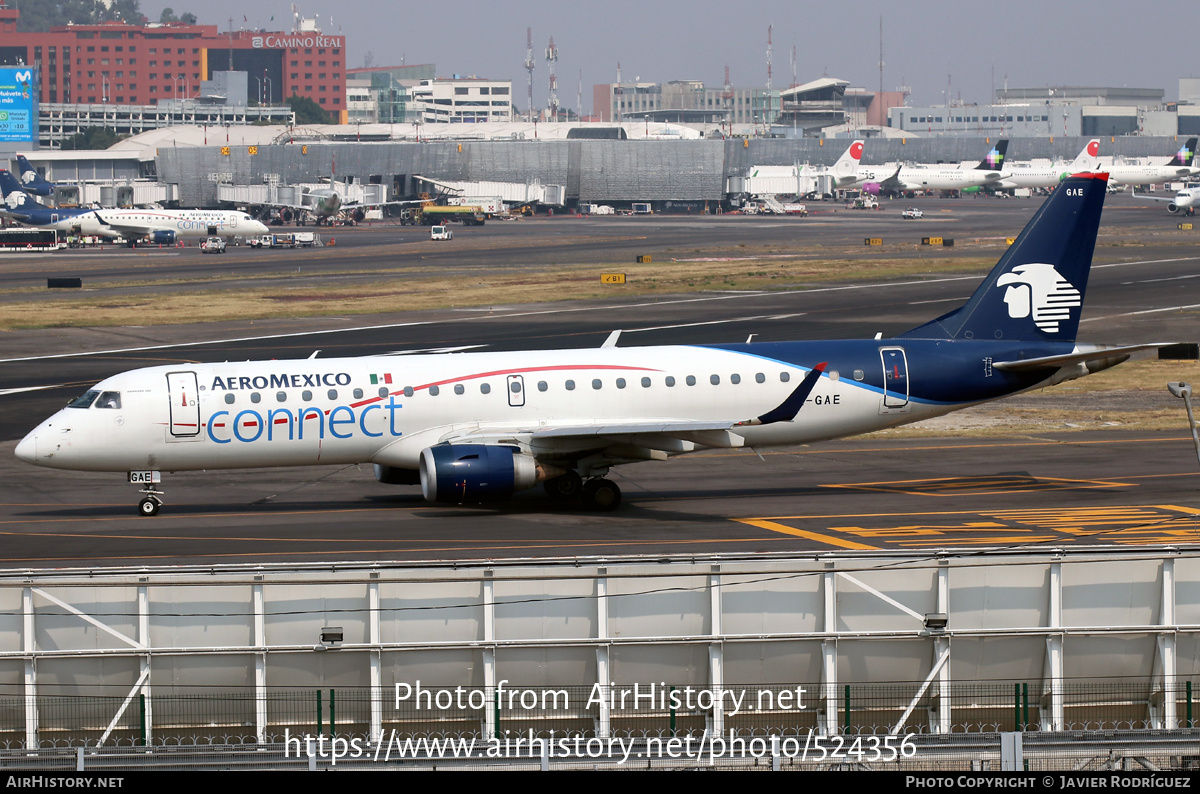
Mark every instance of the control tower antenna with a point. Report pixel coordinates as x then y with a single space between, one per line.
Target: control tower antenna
770 54
551 60
617 93
529 64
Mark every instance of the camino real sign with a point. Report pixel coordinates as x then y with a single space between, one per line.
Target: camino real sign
18 104
273 41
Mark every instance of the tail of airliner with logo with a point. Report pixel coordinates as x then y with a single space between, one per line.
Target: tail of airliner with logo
845 170
1086 160
994 159
1035 292
1186 154
16 200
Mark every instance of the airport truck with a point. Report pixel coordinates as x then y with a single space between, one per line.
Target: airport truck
289 240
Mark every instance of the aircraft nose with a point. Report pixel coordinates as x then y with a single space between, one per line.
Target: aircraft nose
27 448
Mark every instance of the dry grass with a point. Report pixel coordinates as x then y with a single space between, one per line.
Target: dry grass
291 295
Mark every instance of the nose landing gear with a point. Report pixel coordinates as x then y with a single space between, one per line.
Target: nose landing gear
149 506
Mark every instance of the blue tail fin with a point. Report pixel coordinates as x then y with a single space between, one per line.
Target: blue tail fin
1035 292
15 198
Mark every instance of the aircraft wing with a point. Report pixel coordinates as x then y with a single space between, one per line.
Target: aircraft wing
124 228
652 434
1152 198
892 182
1081 355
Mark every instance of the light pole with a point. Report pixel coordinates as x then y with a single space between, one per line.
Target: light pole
1184 391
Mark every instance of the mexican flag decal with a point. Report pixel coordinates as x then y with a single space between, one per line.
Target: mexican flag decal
377 379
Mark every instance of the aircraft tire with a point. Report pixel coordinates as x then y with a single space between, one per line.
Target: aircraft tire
565 488
149 507
601 494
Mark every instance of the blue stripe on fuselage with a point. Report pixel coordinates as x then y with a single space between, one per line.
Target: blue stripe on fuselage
940 372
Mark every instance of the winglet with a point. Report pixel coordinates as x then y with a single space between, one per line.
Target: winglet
787 410
612 339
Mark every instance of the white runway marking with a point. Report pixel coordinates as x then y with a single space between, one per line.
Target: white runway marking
561 310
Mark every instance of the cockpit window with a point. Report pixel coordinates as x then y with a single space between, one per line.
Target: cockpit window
84 400
110 399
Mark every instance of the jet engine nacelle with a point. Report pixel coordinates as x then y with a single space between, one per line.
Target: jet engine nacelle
462 473
163 237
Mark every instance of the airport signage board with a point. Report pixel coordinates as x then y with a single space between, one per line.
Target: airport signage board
275 41
18 104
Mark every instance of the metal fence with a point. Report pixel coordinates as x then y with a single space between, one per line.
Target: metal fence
630 712
1077 752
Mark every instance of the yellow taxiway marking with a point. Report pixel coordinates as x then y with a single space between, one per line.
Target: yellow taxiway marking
1128 524
800 533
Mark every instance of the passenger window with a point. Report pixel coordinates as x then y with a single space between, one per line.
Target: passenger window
485 388
645 383
358 394
735 378
691 380
332 394
458 388
760 378
833 374
784 377
620 383
408 391
383 392
110 399
280 396
306 395
84 400
714 380
858 374
596 384
515 387
229 398
434 391
255 397
570 385
670 380
542 385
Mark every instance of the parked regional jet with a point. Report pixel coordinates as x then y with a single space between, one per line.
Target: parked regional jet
472 427
1184 201
940 177
1178 167
1029 175
131 225
31 180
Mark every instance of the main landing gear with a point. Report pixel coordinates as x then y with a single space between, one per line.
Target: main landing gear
151 502
596 494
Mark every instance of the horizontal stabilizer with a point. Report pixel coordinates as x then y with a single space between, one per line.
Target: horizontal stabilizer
1079 356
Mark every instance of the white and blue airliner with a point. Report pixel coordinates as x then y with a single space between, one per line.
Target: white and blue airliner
476 427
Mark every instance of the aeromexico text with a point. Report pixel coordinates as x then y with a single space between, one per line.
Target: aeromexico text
312 380
657 697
